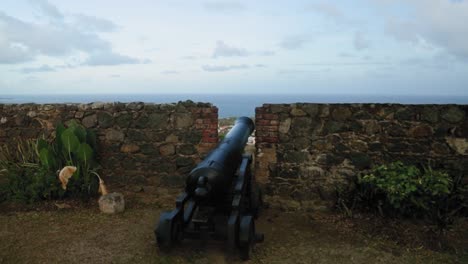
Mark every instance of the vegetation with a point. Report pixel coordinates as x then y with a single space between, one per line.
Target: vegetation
22 177
29 170
399 190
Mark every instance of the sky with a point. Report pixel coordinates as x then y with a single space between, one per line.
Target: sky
417 47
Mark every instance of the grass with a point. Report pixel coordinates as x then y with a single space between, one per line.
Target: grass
44 234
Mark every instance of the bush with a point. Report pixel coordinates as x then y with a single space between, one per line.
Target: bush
28 171
31 184
73 146
400 190
22 179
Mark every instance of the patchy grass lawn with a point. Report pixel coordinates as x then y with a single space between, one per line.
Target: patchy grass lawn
83 235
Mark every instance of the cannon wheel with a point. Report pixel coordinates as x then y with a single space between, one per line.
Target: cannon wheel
246 237
168 232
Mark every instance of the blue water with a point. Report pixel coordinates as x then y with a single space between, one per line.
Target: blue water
235 105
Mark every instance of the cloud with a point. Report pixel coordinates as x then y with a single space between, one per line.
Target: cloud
435 22
22 41
46 9
345 55
11 53
221 68
108 58
93 24
43 68
227 7
169 72
223 50
332 12
360 42
357 63
294 42
266 53
328 10
189 57
300 72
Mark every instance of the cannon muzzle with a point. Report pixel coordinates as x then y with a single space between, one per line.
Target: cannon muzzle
213 176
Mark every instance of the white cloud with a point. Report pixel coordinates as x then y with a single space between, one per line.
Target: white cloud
224 50
22 41
332 12
108 58
169 72
438 22
345 55
294 42
43 68
222 68
227 7
266 53
11 53
360 42
93 24
328 10
46 9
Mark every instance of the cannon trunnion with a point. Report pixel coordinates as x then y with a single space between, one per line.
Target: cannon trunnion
221 198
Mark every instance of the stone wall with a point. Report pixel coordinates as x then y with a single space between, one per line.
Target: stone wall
139 145
306 151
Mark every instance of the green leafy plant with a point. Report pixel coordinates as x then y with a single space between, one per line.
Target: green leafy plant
28 170
22 179
403 190
73 146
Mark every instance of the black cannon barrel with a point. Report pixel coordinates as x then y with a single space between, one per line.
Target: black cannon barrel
213 176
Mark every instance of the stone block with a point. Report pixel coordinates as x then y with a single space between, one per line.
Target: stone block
341 113
186 149
297 112
167 149
453 114
295 156
360 160
89 121
172 138
311 109
129 148
284 126
430 114
112 203
460 145
105 120
158 121
124 120
136 135
183 120
184 162
115 135
404 113
421 131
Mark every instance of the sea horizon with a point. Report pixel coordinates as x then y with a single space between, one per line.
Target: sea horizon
232 105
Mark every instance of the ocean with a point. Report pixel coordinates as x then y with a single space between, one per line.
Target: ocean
231 105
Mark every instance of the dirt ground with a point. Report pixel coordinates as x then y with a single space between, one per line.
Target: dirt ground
81 234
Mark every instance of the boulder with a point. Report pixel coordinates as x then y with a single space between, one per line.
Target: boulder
112 203
453 114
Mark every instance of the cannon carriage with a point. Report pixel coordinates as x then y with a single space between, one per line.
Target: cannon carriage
221 198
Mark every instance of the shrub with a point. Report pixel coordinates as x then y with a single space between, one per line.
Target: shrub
400 190
28 171
22 179
72 146
30 184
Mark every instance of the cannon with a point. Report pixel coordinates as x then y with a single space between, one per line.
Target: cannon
221 198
